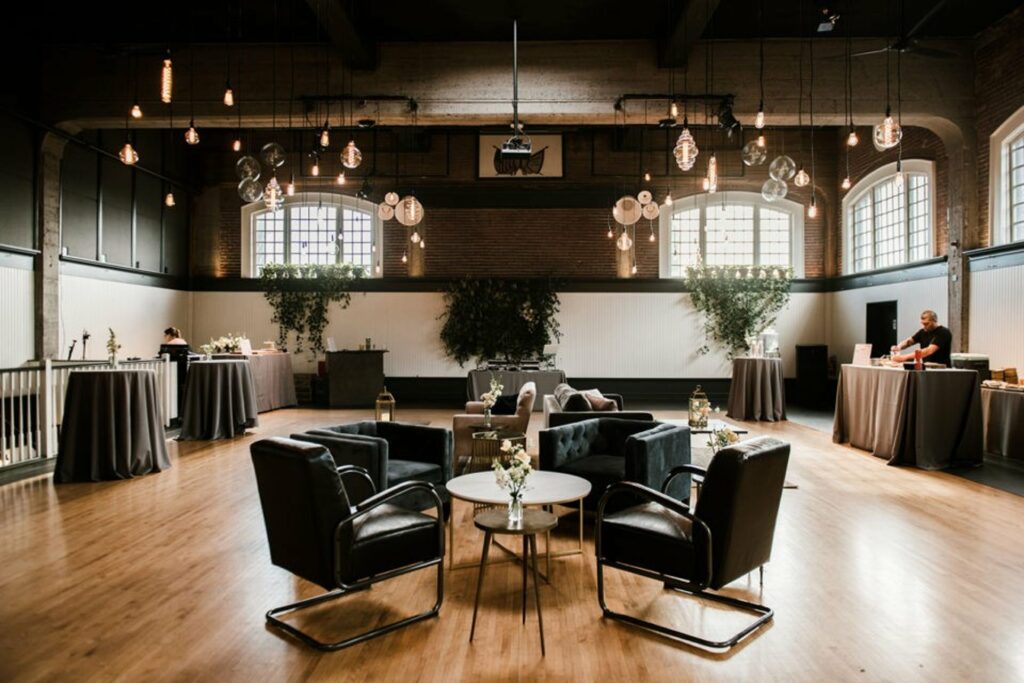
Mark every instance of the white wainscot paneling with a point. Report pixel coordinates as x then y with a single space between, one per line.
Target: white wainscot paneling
847 311
997 316
17 304
604 334
137 314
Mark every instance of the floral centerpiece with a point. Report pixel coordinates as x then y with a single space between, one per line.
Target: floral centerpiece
490 398
511 475
112 347
229 343
722 437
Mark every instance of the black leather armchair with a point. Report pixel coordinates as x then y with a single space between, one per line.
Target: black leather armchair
393 453
328 525
726 536
607 450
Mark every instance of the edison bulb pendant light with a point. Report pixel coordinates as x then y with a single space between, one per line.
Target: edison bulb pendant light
812 210
236 145
169 199
341 178
611 233
423 244
405 257
888 133
166 80
753 154
759 119
136 111
127 154
760 140
647 176
673 110
289 189
711 181
852 140
782 168
351 157
415 237
668 199
686 150
633 269
325 135
773 189
802 179
229 95
625 242
846 184
272 195
192 135
315 171
652 238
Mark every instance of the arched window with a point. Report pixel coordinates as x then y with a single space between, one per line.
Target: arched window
888 218
731 229
312 228
1006 181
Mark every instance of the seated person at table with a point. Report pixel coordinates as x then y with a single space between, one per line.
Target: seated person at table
934 339
172 335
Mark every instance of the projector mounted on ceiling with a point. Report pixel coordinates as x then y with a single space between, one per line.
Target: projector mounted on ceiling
518 146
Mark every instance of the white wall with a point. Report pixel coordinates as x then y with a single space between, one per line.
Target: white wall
17 316
604 334
997 316
847 311
137 314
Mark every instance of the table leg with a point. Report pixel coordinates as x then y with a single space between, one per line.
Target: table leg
581 526
536 591
480 581
451 533
526 555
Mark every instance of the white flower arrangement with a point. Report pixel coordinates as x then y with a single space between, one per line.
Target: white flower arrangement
720 438
511 474
491 397
229 343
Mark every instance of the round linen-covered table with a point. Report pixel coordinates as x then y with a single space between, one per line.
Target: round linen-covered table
111 427
1003 415
220 400
757 390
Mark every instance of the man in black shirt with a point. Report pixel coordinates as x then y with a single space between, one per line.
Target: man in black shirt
934 339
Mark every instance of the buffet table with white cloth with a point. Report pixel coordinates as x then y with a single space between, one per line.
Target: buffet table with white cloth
930 419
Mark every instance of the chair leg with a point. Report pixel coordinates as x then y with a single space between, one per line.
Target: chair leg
766 615
760 574
273 620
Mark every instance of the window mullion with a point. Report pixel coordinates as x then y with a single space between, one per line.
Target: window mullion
757 235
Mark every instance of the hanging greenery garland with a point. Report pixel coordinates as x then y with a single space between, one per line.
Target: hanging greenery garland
738 302
513 319
300 296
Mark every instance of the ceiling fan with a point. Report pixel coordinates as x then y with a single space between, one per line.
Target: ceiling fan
906 43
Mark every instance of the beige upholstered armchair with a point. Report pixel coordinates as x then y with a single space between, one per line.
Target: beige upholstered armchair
475 415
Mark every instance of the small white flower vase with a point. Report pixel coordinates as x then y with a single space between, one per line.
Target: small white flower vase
114 362
515 510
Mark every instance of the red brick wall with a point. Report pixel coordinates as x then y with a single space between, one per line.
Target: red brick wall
999 92
465 238
918 143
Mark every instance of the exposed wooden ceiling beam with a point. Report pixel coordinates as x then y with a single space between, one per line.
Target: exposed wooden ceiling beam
336 22
689 27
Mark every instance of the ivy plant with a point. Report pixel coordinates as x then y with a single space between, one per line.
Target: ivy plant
489 318
738 302
301 295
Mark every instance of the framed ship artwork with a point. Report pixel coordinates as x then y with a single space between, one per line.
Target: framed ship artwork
543 161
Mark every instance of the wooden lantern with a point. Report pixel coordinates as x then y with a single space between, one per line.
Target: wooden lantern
385 406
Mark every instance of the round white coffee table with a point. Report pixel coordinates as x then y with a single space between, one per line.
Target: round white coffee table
543 489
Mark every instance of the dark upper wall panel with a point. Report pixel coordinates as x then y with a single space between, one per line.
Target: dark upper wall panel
17 175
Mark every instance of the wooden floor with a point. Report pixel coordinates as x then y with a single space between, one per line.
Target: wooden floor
878 574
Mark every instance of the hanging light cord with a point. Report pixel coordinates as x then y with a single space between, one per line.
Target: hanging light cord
760 28
810 97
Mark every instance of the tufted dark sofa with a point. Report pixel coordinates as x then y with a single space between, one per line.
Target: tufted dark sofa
606 450
392 453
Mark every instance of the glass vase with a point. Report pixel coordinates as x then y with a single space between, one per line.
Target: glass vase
515 510
487 417
114 363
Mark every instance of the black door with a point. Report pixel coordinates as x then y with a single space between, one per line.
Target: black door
881 327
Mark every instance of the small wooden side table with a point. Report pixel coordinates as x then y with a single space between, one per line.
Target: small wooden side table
496 522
